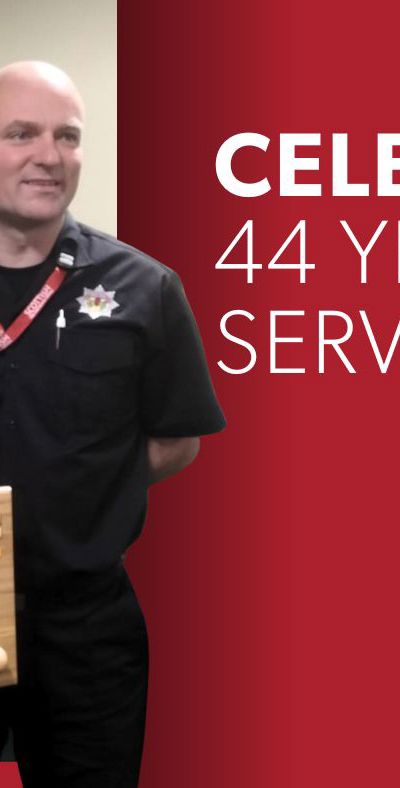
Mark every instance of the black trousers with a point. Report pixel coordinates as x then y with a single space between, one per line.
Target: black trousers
78 711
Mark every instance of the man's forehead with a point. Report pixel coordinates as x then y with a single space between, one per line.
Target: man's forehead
20 102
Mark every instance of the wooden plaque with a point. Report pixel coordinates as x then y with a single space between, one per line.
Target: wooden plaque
8 671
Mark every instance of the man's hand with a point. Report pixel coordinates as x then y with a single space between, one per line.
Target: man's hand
170 455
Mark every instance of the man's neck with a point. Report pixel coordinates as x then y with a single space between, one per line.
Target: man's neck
22 247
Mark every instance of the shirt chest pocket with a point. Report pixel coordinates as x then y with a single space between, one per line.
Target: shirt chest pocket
94 372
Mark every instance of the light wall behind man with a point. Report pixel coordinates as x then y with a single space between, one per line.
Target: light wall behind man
80 37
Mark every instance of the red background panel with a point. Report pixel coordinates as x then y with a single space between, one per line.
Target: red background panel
268 570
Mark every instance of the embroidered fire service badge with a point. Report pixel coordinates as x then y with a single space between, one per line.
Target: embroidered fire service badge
97 302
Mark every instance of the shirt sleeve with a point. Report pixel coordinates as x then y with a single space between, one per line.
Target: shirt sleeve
177 397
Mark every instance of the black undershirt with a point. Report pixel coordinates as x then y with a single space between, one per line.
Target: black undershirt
18 280
18 286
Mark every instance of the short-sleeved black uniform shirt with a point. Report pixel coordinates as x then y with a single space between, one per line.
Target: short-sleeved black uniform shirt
77 403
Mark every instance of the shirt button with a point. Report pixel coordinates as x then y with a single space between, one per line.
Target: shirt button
13 365
12 424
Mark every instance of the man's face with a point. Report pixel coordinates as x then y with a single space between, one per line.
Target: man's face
40 151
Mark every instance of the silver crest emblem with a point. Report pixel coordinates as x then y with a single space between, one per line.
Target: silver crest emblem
97 302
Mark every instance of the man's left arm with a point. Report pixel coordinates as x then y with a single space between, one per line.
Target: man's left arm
170 455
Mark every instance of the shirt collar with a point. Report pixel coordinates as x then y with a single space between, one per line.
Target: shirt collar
71 242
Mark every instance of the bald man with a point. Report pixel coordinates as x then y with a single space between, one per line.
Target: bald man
104 389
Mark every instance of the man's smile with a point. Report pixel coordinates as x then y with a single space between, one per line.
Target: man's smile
42 182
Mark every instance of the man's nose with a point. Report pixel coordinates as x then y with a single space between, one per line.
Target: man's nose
46 151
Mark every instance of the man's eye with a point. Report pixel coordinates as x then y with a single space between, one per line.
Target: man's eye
71 136
19 134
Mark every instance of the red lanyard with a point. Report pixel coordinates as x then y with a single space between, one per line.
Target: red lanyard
27 316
